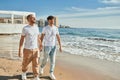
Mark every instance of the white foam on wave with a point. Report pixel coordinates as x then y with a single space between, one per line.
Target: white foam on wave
94 48
99 55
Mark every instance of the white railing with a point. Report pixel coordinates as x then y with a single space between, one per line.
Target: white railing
14 17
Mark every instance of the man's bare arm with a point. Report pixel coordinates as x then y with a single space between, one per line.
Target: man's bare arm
59 42
40 43
42 37
20 46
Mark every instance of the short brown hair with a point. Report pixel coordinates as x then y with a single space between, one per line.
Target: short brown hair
28 16
50 17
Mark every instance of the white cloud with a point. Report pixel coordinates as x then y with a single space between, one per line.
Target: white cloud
111 22
110 1
77 12
109 8
76 9
81 19
96 12
105 17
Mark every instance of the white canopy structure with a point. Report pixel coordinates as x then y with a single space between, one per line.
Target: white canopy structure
13 21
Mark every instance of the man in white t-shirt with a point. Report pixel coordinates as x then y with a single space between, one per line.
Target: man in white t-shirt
31 35
49 34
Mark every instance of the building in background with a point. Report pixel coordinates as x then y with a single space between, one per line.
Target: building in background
41 23
56 22
46 22
12 22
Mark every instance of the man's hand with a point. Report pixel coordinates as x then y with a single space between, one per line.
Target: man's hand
40 47
59 42
20 53
60 49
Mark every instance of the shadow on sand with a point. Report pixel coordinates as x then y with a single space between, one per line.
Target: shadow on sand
18 77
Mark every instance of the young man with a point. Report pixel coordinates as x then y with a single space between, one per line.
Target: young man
49 35
30 34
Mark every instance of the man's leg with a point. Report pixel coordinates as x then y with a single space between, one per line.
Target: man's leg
52 62
47 50
52 59
35 63
27 58
46 55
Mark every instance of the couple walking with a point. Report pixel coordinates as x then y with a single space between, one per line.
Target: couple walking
32 41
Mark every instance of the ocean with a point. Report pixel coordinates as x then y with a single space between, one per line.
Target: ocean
97 43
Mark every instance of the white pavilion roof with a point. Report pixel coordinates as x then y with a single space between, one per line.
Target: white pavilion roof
16 12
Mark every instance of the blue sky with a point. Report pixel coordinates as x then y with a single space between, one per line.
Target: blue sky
76 13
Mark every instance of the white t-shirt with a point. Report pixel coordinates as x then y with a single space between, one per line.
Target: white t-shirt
31 36
50 35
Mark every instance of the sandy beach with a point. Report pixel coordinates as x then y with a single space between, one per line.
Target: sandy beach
68 66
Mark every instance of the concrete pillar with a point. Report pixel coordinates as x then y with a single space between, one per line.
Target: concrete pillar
12 18
24 20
